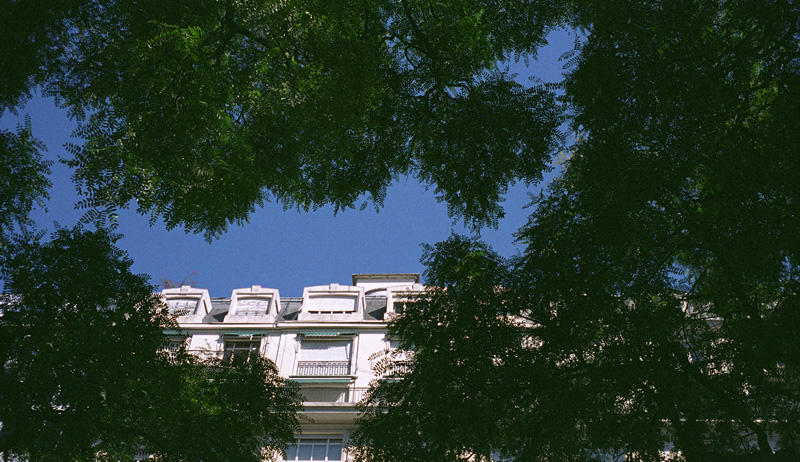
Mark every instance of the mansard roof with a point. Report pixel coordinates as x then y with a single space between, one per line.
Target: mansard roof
369 292
290 306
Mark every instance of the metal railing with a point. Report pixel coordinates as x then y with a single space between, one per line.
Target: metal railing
323 368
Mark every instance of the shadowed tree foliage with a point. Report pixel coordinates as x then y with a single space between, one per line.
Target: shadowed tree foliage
84 376
25 182
656 301
199 111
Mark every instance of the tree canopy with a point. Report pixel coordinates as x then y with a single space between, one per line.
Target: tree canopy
85 375
656 303
26 183
199 112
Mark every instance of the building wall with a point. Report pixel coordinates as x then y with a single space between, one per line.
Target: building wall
324 344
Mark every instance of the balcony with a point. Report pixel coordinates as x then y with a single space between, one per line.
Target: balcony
328 395
323 368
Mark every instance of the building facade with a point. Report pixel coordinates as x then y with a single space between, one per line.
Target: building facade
326 341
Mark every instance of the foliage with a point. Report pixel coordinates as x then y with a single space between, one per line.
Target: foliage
200 111
34 35
84 376
25 182
229 410
656 301
166 283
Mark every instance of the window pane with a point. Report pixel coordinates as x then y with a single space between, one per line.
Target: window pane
325 351
252 306
316 449
319 452
182 307
304 452
332 303
335 451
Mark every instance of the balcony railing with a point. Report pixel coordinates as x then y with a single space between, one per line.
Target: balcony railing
323 368
333 395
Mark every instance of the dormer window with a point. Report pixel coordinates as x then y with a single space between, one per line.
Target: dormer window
188 304
333 302
182 306
400 298
252 306
255 304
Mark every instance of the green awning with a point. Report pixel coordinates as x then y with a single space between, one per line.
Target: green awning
302 380
327 334
244 334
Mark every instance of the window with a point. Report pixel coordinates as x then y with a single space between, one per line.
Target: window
240 347
173 346
402 306
315 448
332 304
182 306
252 306
401 298
188 303
324 357
397 362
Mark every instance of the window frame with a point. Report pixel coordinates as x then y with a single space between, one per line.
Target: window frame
332 339
256 344
330 440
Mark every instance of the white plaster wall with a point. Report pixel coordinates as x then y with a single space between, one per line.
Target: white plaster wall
369 343
285 352
383 283
270 350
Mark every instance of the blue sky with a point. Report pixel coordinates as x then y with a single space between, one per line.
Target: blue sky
287 249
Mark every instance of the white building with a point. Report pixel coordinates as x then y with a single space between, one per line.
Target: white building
322 340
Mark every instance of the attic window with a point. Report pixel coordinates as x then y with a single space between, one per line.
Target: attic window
182 306
402 305
252 306
332 304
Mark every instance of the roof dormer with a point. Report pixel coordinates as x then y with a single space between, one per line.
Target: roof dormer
188 304
398 298
332 302
255 304
373 281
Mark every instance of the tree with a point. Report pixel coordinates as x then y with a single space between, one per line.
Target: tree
658 288
201 111
250 409
84 375
656 301
25 180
